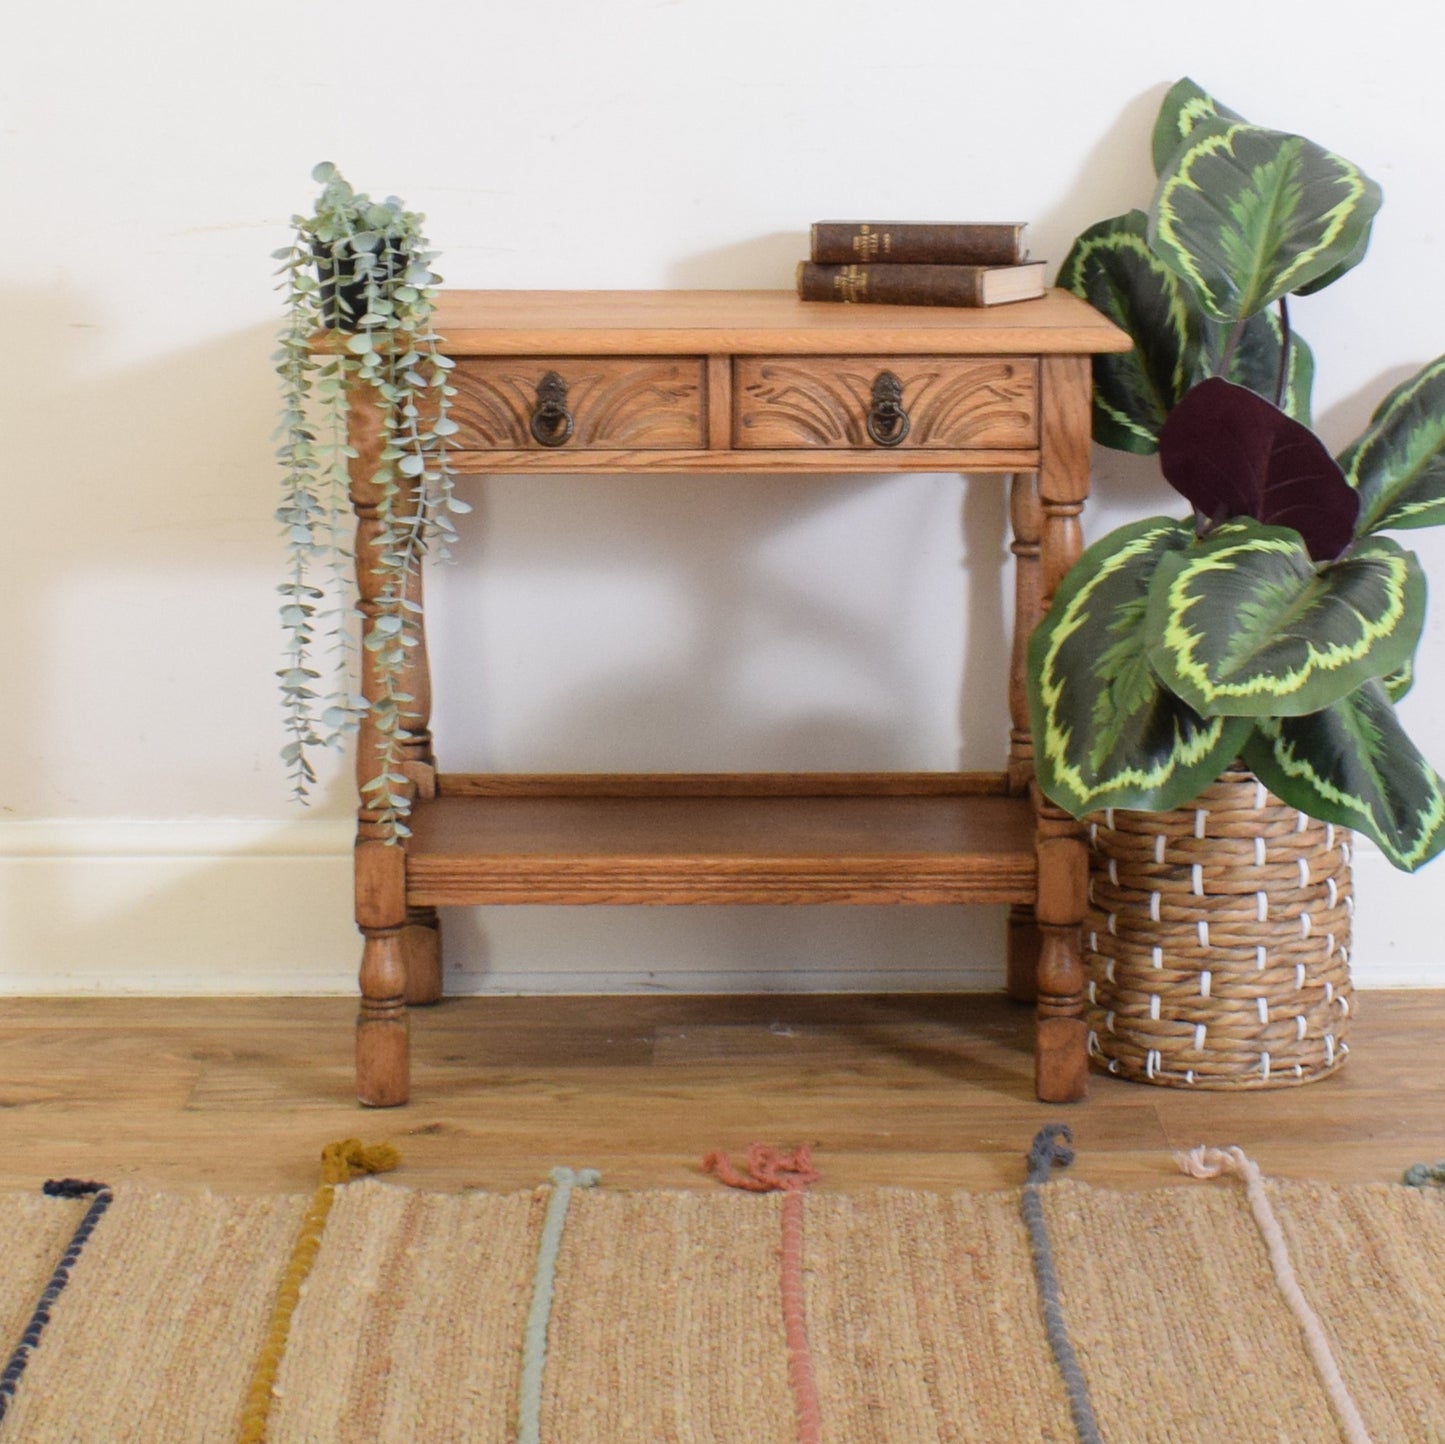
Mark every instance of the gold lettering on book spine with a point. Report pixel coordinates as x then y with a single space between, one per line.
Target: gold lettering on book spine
865 243
851 283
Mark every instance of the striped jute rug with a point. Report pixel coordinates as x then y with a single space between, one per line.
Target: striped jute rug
574 1313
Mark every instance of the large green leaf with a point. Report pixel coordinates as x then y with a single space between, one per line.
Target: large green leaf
1256 358
1247 215
1248 626
1106 733
1398 465
1185 107
1352 763
1112 266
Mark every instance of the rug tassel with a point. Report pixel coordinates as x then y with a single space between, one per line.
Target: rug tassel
1051 1149
1211 1163
770 1170
350 1158
341 1162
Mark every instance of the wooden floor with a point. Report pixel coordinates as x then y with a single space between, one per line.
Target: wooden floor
238 1095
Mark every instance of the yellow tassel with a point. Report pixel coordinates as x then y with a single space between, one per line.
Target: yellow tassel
350 1158
340 1163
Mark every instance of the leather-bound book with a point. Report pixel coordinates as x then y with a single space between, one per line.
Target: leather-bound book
920 243
921 285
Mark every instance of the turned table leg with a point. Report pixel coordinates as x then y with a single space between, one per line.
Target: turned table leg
421 938
1026 516
1061 1065
401 956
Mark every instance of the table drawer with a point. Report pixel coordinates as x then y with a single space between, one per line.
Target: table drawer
951 403
571 403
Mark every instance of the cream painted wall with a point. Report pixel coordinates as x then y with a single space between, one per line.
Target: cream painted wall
151 156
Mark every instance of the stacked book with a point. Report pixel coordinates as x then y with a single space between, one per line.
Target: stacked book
919 263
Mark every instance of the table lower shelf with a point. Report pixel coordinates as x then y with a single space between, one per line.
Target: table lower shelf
671 838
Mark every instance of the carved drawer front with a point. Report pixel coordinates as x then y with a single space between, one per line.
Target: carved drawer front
940 403
571 403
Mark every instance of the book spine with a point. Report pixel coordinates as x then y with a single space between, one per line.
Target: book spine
892 285
916 243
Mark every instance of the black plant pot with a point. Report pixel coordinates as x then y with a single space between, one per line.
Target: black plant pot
343 293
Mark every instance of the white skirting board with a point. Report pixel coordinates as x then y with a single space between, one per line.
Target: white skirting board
264 908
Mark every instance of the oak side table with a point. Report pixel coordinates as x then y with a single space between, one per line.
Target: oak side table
746 381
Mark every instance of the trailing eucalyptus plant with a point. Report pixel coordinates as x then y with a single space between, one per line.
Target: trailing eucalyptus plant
359 294
1275 623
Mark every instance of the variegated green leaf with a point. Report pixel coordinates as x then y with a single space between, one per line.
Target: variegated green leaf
1248 626
1347 264
1112 267
1398 465
1185 107
1176 345
1399 682
1247 215
1352 763
1106 733
1256 358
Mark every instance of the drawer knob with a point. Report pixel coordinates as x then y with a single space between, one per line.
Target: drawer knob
551 421
887 420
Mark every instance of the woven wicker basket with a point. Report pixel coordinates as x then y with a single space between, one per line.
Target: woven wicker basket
1217 942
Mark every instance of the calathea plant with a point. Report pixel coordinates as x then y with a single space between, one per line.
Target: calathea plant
1275 623
359 294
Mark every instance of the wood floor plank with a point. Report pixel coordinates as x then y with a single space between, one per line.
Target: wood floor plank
931 1091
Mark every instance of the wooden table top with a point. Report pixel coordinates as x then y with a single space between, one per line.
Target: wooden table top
638 323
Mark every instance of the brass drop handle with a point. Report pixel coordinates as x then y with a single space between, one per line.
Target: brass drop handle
888 422
551 420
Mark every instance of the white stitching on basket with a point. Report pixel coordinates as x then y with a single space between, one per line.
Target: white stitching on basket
1156 956
1299 1025
1259 852
1151 1062
1206 980
1199 1031
1154 1006
1334 891
1201 817
1109 969
1299 977
1304 872
1260 794
1329 1047
1329 835
1153 907
1261 956
1261 906
1203 933
1159 847
1304 925
1264 1065
1198 879
1263 1006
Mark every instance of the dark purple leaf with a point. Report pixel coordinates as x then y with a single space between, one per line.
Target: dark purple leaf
1233 454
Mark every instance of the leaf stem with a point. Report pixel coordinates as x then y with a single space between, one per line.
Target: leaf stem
1284 343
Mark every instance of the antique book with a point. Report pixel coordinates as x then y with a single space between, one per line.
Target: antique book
921 285
921 243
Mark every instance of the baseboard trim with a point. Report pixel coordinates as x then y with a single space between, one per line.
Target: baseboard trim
223 907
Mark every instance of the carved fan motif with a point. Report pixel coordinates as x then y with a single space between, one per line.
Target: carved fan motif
951 404
621 402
